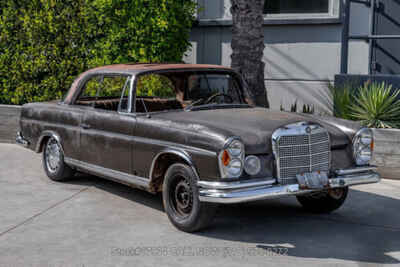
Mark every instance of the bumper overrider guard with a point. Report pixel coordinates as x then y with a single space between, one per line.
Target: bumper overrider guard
251 190
20 140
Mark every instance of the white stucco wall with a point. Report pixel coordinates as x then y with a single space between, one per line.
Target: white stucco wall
301 58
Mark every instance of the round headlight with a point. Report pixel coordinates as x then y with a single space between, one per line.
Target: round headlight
231 158
363 146
234 168
252 165
235 148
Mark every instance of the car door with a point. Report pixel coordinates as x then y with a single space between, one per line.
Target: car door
107 127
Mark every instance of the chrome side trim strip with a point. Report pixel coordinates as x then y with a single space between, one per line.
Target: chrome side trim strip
355 170
110 174
172 145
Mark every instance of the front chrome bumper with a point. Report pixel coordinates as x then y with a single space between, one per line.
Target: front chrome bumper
20 140
236 192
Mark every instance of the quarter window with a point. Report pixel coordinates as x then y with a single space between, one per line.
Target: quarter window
106 92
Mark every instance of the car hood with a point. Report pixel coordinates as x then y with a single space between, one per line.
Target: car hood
253 125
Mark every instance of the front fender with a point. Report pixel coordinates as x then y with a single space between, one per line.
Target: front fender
43 136
177 152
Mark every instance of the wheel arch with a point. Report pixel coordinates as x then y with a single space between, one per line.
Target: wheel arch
44 137
162 161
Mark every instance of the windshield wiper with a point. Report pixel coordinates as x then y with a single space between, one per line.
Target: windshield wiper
217 106
189 107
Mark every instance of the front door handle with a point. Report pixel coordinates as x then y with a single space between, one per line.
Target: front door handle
85 126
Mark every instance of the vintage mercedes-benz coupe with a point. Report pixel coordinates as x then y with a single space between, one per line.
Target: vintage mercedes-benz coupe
190 132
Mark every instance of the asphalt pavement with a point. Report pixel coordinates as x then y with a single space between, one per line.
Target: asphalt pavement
89 221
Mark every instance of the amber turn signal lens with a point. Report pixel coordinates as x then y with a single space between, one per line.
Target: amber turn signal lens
225 158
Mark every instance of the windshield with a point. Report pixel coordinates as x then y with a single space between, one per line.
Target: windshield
212 88
188 90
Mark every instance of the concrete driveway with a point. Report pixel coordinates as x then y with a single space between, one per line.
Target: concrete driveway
93 222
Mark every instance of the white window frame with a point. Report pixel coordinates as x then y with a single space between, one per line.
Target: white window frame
333 13
333 16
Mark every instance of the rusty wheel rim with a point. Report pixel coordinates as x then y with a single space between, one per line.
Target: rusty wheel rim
181 197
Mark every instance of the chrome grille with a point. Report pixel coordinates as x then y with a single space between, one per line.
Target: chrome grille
300 148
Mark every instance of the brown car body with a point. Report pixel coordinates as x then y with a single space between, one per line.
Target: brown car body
137 148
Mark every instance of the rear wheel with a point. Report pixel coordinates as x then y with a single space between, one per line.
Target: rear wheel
53 161
181 200
324 202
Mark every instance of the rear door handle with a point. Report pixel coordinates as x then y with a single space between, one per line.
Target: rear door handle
85 126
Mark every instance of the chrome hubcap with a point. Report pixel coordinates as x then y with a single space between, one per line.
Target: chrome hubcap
53 155
336 193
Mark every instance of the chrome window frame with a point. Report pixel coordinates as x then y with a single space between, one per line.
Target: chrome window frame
130 100
129 78
107 74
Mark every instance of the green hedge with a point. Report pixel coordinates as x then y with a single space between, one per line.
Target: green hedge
45 44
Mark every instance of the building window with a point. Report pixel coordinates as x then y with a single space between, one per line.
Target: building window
296 6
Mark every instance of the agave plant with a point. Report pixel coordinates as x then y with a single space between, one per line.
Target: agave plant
308 109
342 98
376 105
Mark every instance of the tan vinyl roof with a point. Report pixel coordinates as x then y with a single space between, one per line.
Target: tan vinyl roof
156 66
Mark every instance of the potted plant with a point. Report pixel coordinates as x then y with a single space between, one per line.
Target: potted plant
377 106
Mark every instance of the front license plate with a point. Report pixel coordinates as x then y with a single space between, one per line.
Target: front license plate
312 180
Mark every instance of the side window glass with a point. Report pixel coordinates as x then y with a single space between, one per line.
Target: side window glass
155 92
155 86
112 86
89 91
106 92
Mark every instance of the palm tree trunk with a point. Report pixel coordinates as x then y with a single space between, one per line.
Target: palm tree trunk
248 46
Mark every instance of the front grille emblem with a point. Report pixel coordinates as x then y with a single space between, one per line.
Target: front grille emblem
300 148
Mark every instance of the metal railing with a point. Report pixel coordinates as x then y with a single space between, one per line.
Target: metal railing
375 6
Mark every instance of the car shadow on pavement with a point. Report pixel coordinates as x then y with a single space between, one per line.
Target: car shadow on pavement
121 190
365 229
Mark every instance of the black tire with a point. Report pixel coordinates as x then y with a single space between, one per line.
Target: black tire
56 170
324 202
181 200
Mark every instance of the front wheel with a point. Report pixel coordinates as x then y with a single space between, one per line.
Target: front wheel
181 200
325 201
53 161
